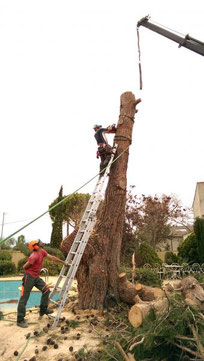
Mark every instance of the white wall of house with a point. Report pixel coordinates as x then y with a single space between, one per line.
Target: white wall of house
198 202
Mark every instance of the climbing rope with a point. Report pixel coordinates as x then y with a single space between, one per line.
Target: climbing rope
63 200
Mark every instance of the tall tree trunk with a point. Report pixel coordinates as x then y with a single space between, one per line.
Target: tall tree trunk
97 274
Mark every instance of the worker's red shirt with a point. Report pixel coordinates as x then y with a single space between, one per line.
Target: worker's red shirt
36 261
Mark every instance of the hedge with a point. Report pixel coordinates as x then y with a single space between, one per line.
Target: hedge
54 252
21 263
5 255
147 277
53 268
171 257
7 267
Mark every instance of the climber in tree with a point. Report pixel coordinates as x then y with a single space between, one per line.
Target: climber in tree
104 149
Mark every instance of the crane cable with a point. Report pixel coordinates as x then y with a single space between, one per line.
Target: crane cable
63 200
139 57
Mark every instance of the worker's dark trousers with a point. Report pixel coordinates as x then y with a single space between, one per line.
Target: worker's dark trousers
105 155
28 283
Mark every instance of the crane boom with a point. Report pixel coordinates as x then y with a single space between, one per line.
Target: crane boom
186 41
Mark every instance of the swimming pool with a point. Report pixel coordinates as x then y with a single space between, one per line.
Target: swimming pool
9 290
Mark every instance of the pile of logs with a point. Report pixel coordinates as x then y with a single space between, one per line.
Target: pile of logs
144 298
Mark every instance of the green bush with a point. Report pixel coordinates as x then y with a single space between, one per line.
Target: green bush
171 257
53 268
23 248
21 263
54 252
199 277
147 254
147 277
7 267
5 255
188 250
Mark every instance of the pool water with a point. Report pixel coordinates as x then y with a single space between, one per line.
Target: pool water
9 290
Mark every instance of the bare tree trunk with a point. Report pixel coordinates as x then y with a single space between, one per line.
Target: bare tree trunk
97 275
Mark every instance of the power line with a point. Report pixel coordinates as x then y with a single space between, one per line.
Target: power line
22 220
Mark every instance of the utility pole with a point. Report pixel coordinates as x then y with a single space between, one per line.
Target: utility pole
2 225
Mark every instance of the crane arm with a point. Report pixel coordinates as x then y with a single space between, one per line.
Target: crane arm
185 41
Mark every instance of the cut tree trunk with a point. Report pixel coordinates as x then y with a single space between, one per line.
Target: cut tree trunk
131 294
97 274
139 311
193 292
127 291
147 293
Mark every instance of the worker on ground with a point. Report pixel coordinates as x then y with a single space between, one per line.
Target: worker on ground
104 149
31 278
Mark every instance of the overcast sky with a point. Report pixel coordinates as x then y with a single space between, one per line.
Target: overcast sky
63 67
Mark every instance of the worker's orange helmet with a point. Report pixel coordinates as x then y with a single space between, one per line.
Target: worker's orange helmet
34 245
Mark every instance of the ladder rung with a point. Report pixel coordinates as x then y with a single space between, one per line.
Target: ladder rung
56 303
73 252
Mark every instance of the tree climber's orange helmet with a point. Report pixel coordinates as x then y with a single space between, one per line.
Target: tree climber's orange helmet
34 245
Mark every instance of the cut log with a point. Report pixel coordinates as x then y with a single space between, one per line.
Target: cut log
128 291
193 292
168 287
139 311
147 293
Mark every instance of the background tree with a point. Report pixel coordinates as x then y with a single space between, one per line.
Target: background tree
70 211
151 218
57 218
146 254
199 233
188 250
8 244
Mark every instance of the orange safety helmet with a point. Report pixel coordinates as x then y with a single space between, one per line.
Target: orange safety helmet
34 245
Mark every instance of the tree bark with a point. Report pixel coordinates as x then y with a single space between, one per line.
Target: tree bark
192 292
97 274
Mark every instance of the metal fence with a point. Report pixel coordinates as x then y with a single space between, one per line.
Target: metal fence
175 270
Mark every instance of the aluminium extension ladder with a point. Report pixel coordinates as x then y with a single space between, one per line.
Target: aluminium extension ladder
75 254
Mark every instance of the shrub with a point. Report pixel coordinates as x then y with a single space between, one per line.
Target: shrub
23 248
188 250
147 254
54 252
147 277
53 268
21 263
7 267
5 255
171 257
